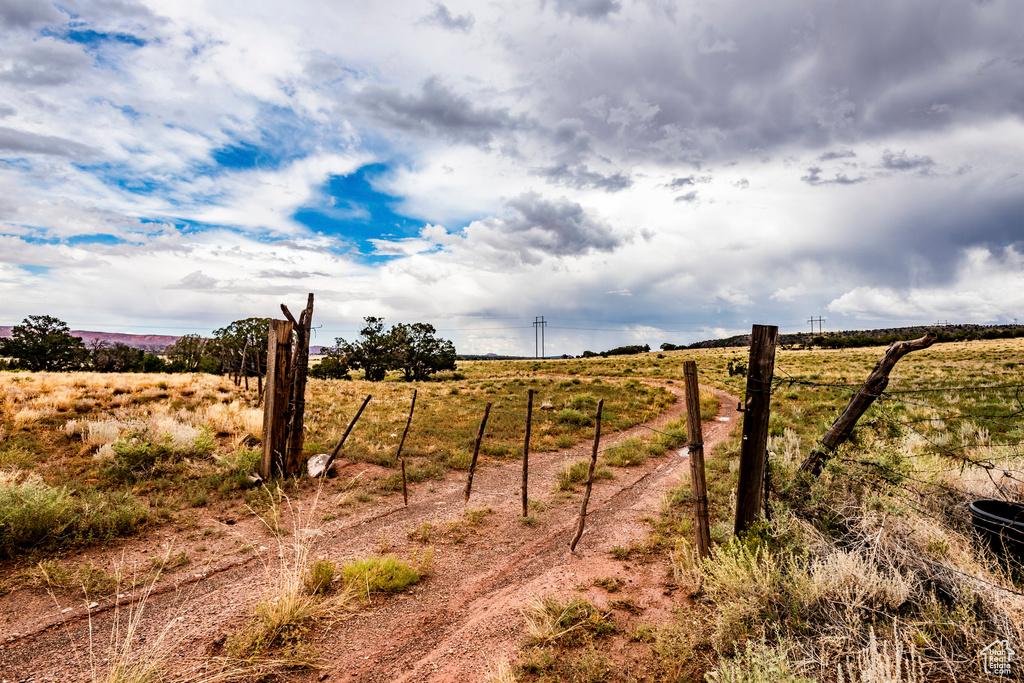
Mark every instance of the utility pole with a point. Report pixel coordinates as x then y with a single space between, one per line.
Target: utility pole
538 323
812 320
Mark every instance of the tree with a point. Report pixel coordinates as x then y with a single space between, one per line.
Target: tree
117 358
418 353
242 346
188 352
42 342
414 349
333 365
373 353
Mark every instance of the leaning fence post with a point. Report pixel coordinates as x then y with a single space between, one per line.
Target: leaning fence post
405 490
756 411
476 452
337 449
590 478
526 447
696 448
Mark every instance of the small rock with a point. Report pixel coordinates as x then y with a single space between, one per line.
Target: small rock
315 465
93 605
547 405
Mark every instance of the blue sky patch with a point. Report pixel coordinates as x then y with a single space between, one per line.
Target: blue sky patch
35 270
91 39
357 212
109 240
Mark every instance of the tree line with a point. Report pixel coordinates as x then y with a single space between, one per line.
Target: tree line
239 349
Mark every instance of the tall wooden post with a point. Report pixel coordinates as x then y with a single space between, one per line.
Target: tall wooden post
696 447
476 452
526 448
297 405
275 405
590 479
756 411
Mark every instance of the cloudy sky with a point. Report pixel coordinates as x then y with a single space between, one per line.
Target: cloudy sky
636 171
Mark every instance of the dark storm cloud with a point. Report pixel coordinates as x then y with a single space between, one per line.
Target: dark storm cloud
588 9
534 227
764 76
441 16
900 161
44 63
27 14
7 110
21 142
581 178
438 110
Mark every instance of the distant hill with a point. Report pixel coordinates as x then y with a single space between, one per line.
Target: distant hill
146 342
881 337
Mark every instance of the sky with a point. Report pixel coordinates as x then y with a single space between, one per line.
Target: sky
635 171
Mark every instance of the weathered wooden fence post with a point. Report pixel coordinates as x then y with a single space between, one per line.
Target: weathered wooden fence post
476 452
526 447
297 405
275 404
405 490
756 411
698 482
590 479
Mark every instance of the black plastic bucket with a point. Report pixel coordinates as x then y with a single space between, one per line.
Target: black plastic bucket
1002 522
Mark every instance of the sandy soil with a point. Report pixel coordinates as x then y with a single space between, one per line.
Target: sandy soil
464 617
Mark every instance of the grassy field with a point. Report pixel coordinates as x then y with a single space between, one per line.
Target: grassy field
870 572
87 457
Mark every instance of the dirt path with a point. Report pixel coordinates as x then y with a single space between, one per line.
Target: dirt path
463 617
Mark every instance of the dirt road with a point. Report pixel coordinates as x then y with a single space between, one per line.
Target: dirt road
464 617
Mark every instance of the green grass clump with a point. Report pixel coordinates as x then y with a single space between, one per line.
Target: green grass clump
319 576
35 515
576 473
572 417
378 575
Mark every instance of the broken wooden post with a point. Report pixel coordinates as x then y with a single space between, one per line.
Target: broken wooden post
590 479
275 404
698 482
351 424
754 447
872 388
405 490
476 452
526 447
297 405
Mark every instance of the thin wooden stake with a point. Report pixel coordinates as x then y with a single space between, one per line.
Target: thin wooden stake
590 479
754 447
526 446
696 448
344 436
476 452
299 371
405 490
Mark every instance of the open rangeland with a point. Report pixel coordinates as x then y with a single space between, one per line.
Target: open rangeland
135 548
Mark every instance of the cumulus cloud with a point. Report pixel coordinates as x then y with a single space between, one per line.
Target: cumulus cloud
443 17
438 110
23 142
27 14
588 9
582 178
901 161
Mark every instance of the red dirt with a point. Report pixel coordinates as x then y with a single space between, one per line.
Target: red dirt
463 617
